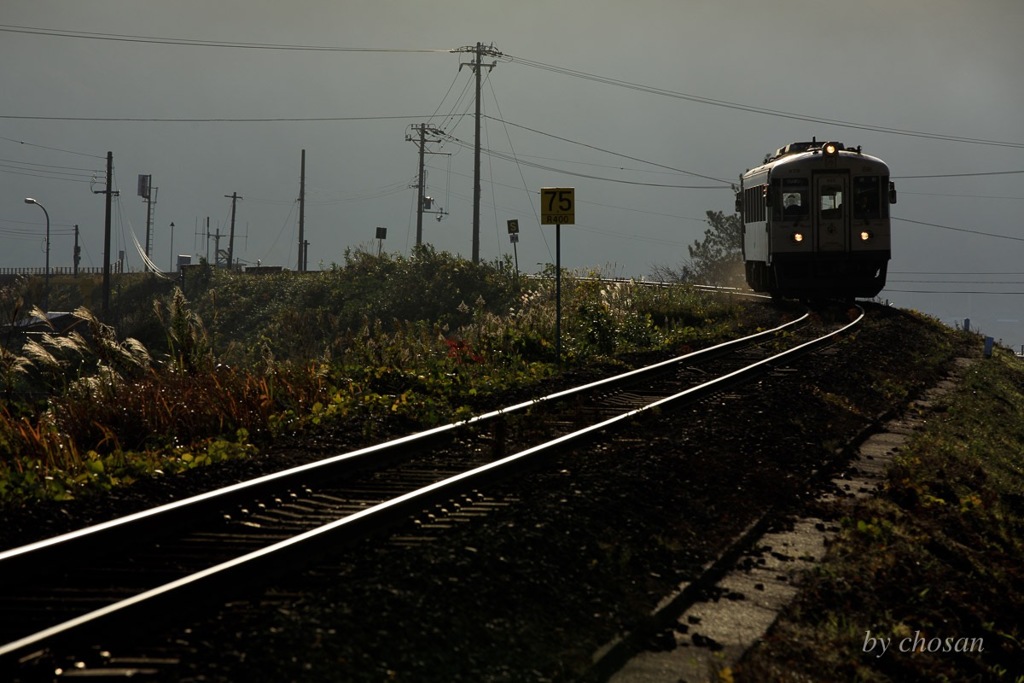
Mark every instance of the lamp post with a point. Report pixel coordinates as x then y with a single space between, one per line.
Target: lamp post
46 295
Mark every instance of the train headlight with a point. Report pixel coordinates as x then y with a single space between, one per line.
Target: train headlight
866 235
797 237
830 149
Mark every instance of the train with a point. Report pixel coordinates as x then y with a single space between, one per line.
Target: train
816 225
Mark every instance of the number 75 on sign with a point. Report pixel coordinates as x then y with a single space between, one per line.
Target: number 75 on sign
557 206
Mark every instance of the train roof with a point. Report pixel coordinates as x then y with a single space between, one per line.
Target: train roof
802 151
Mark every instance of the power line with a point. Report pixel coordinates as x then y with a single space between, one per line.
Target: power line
154 119
945 292
954 175
953 272
759 110
52 149
958 282
973 232
157 40
581 202
607 151
44 171
966 196
41 175
577 174
65 168
189 42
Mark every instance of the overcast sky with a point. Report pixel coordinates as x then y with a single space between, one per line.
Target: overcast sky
647 108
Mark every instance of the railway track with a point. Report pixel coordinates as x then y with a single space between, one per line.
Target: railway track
81 589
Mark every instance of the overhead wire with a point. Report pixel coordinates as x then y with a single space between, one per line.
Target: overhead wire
52 149
575 73
758 110
452 116
577 174
48 176
522 178
955 175
189 42
619 154
947 227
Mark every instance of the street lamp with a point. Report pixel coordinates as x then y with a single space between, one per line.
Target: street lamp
46 295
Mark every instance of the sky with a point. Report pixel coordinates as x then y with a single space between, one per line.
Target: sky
648 109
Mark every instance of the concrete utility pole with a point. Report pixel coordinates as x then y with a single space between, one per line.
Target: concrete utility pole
422 200
302 213
479 51
216 249
106 234
231 238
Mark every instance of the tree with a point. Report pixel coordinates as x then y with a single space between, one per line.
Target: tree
715 260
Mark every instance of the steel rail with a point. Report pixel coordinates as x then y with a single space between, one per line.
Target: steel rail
26 557
303 547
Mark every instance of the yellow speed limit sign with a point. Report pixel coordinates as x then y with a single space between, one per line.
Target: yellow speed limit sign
557 206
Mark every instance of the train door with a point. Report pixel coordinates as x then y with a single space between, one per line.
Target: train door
831 215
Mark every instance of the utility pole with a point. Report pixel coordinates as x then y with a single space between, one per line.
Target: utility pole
76 255
424 203
302 213
231 239
145 190
216 248
149 230
477 65
106 235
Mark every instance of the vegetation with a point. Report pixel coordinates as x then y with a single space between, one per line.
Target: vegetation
229 362
936 559
717 259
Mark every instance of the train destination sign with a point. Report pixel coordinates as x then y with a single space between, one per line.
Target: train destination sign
558 206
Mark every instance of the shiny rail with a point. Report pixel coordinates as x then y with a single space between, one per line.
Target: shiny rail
286 553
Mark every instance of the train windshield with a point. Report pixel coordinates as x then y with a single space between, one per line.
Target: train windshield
831 201
867 197
794 204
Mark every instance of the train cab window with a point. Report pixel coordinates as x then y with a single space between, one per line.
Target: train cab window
792 202
867 197
831 202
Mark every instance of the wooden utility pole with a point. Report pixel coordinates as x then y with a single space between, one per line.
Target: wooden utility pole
231 238
477 65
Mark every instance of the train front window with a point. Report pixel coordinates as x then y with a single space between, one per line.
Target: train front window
831 202
792 203
867 197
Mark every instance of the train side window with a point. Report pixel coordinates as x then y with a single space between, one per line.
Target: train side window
753 204
867 197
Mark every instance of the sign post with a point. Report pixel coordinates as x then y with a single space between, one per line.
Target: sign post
558 208
513 237
382 234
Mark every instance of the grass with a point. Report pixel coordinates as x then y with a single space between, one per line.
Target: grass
233 362
936 560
